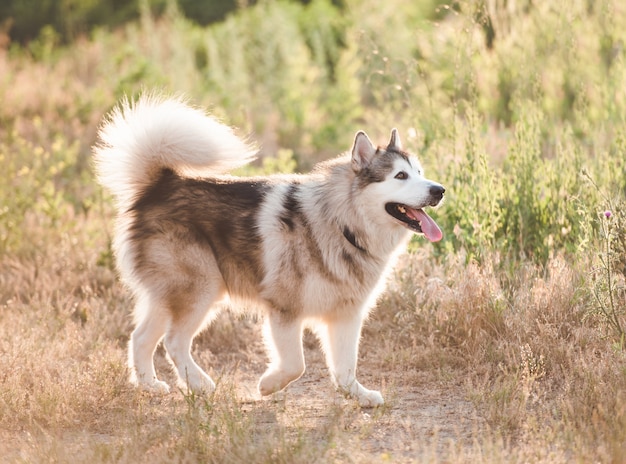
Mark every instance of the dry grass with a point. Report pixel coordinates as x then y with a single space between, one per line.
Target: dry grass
490 361
477 364
546 380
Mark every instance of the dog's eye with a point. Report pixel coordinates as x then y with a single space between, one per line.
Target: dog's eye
402 175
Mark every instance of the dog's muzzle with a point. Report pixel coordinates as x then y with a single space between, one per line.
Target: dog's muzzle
436 194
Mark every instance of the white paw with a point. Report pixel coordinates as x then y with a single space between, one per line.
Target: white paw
366 398
275 380
154 386
370 398
202 385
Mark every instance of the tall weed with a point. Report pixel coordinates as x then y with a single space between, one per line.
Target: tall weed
607 280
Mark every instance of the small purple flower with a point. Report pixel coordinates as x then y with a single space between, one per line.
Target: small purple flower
607 214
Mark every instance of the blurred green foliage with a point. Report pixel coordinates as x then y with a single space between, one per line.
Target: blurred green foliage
505 104
26 19
43 187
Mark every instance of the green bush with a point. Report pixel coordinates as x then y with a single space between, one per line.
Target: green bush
42 188
507 124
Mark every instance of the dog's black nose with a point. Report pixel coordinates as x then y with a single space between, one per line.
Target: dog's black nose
437 191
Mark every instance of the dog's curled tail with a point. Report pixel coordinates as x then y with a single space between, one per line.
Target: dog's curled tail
138 139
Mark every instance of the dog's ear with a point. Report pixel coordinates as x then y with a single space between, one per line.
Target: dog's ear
362 151
394 143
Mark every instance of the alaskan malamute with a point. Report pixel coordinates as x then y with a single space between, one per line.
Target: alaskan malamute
311 251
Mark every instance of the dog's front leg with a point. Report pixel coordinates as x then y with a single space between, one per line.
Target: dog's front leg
284 343
341 343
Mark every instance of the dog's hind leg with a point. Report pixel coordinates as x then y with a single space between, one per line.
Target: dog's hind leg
284 343
190 312
340 340
152 322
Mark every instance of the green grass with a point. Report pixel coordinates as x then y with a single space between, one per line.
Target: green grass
503 342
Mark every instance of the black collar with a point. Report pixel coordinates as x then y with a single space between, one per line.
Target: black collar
350 237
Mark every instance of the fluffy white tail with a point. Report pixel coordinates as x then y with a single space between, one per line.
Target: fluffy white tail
138 139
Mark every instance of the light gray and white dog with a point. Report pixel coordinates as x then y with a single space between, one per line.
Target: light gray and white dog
311 251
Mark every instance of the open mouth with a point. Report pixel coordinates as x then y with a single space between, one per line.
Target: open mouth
416 220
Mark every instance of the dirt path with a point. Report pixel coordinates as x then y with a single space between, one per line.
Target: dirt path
423 420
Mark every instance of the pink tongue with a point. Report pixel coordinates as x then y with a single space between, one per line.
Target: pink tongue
430 229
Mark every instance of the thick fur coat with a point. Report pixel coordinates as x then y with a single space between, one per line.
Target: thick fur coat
310 251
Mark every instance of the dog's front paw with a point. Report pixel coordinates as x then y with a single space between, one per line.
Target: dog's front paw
275 380
154 386
201 384
370 398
